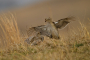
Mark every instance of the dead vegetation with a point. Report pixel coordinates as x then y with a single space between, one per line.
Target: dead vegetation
12 46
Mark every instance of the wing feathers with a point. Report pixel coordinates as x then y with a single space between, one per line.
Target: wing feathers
39 29
32 31
63 22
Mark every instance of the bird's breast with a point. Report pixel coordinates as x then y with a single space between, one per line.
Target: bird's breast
53 31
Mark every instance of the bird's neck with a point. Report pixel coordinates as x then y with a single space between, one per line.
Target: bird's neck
49 23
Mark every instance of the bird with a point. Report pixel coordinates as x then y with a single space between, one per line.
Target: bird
50 29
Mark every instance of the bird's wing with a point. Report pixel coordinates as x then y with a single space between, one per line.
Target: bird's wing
39 29
63 22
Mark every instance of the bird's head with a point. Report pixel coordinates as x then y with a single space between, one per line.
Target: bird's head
48 20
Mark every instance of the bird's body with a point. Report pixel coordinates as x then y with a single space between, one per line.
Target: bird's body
53 30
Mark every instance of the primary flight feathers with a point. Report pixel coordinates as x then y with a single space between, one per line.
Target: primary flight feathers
63 22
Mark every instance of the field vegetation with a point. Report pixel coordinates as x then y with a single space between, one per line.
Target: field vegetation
13 47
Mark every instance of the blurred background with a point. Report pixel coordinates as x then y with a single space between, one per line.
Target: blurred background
30 13
12 4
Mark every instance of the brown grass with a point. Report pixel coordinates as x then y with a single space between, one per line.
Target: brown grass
12 46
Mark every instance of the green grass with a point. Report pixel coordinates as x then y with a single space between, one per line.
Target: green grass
77 47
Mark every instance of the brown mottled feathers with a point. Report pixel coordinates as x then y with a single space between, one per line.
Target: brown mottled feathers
34 40
36 34
39 29
43 29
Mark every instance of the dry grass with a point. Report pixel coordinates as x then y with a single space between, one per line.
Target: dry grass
12 46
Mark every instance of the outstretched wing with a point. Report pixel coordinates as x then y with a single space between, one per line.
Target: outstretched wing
39 29
63 22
